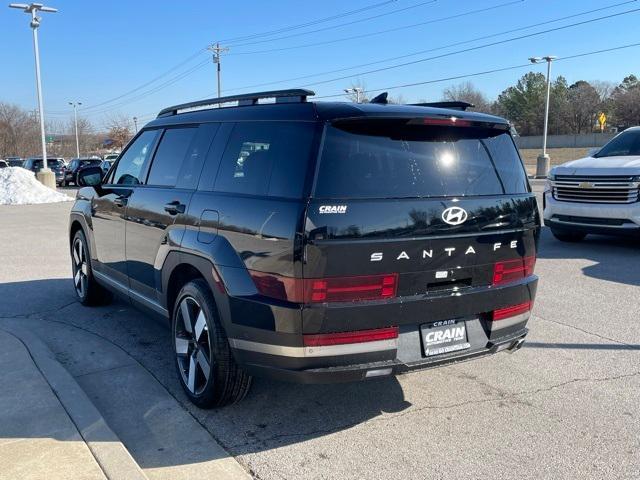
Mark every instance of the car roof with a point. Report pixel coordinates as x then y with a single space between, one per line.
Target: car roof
314 111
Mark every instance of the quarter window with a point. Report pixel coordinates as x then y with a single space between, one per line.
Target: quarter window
266 159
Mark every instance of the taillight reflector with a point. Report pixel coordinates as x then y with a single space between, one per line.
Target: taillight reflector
512 270
511 311
330 289
342 338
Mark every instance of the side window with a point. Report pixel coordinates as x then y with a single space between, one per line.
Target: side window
170 156
266 158
130 167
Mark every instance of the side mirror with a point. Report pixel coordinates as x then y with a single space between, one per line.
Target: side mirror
89 177
593 151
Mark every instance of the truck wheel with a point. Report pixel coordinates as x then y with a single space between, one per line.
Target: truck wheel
208 373
89 292
565 236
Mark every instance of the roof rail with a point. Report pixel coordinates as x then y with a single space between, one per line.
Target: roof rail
451 105
282 96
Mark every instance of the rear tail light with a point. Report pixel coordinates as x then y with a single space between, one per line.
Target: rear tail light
330 289
512 270
349 289
511 311
343 338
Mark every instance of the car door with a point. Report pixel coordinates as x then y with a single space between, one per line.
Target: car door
155 220
109 206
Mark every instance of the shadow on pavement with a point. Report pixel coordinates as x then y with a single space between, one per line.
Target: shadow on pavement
605 251
273 415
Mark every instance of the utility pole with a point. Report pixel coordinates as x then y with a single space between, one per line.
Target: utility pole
357 91
46 176
217 50
544 162
75 119
135 123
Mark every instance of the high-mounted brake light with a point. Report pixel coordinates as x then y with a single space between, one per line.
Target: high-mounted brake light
343 338
511 270
511 311
446 122
329 289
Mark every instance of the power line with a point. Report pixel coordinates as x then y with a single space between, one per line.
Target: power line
381 32
307 24
331 27
486 72
420 52
478 47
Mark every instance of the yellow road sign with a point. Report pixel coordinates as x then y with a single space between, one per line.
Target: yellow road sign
602 119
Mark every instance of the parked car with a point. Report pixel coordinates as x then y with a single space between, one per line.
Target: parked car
3 164
56 165
14 161
598 193
106 165
76 164
313 242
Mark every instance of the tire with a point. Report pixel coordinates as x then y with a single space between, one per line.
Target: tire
566 236
89 292
200 345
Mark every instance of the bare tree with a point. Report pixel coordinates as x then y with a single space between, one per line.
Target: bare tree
119 130
19 131
467 92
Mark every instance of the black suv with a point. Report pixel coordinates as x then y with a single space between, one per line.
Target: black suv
71 173
56 165
313 241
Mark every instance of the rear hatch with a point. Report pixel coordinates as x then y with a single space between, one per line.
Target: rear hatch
413 209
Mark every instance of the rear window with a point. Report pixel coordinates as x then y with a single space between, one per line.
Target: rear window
376 159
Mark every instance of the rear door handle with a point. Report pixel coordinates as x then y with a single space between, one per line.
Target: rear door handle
175 207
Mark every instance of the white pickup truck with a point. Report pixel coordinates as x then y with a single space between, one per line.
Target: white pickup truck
598 193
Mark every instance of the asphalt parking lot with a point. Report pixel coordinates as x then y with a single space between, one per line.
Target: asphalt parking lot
565 406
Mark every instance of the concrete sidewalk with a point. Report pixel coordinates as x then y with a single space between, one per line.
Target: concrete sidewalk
158 435
38 439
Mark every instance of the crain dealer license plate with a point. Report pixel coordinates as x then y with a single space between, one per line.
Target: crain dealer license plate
444 336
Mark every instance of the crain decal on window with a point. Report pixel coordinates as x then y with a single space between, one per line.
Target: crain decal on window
332 209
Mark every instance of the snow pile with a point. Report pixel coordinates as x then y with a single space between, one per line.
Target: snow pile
19 186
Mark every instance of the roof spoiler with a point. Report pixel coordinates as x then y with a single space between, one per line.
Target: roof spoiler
454 105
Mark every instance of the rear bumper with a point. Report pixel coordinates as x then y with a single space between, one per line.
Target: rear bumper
261 365
282 356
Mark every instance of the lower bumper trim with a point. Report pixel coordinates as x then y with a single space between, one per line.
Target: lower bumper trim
321 351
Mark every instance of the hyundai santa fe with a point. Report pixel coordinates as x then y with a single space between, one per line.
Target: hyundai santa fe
313 242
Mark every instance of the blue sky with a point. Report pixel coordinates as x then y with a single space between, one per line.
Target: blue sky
94 52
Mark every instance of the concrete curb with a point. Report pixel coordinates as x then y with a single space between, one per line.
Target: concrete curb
114 459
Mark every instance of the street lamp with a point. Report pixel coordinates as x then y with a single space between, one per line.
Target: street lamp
542 167
357 91
75 118
46 176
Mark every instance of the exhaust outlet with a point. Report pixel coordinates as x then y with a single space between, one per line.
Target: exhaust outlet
515 346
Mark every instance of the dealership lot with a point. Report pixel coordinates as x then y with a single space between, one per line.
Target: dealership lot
565 406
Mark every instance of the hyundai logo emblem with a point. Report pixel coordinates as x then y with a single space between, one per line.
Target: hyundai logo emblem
454 215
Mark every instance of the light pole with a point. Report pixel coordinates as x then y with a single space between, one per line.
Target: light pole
75 119
542 167
217 50
135 123
357 91
46 176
